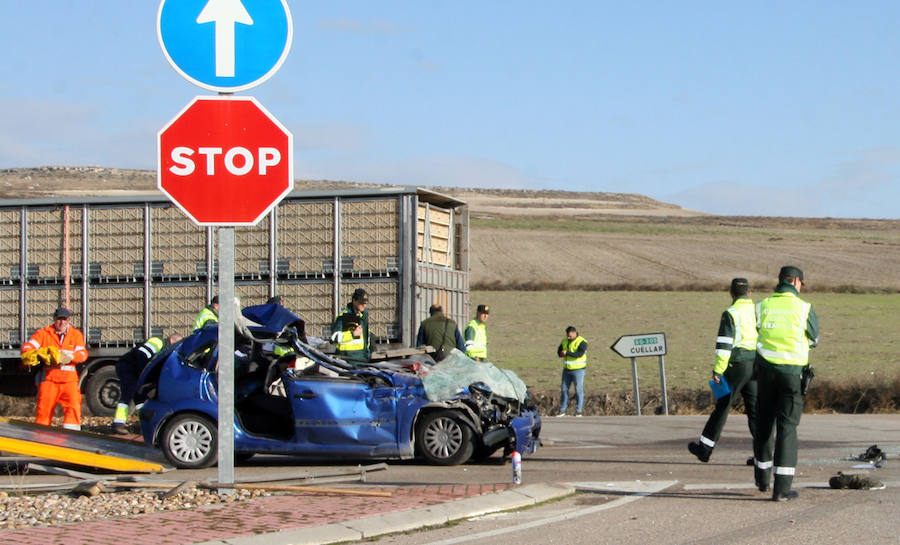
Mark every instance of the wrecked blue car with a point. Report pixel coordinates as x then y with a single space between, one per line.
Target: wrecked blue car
291 398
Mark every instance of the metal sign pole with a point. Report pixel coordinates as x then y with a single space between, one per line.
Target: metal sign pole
637 393
184 39
662 385
225 366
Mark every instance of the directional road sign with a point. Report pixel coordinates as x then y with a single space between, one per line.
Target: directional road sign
225 45
225 160
644 344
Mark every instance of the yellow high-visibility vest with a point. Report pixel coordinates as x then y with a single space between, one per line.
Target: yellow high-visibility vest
571 346
477 347
782 329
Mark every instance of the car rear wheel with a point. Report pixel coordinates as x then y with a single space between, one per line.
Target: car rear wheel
444 439
190 441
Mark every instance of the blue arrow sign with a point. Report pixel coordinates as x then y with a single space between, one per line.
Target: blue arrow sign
225 45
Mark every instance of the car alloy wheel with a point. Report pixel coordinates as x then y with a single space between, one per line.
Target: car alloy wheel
444 439
190 441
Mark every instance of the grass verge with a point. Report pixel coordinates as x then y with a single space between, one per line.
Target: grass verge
855 354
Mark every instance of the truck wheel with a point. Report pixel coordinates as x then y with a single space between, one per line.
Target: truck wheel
189 441
443 439
102 392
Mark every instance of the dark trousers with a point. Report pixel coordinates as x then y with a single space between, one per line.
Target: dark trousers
780 407
742 380
128 372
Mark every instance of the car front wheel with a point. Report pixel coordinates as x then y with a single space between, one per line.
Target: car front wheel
444 439
190 441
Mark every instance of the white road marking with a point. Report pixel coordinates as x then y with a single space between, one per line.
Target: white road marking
635 489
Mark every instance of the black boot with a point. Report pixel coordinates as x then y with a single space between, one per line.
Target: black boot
701 452
785 496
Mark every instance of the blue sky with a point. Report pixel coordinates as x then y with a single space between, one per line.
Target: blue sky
750 108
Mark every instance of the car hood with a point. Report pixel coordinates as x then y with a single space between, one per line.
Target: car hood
453 375
262 321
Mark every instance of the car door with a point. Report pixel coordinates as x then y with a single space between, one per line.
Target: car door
347 416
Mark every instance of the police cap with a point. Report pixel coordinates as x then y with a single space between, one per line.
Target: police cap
360 295
790 271
740 286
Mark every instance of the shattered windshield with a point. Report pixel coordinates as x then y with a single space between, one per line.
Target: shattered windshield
456 372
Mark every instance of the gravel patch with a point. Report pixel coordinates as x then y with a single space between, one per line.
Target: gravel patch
21 510
25 511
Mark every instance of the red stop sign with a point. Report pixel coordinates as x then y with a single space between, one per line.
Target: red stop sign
225 161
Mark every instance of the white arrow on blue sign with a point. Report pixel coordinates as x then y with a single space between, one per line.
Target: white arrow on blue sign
225 45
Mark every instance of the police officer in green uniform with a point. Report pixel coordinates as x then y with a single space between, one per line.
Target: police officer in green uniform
735 356
573 351
476 334
209 314
128 369
788 328
350 330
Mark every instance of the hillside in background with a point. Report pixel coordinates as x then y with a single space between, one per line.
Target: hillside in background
526 240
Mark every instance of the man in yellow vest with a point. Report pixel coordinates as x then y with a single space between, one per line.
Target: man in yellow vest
573 351
735 356
476 334
788 328
350 330
209 314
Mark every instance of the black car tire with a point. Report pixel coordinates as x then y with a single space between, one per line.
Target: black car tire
243 457
444 439
190 441
483 453
102 391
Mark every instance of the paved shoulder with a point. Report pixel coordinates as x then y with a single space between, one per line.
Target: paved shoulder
409 519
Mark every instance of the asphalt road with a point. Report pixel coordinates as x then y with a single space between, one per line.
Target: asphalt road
638 485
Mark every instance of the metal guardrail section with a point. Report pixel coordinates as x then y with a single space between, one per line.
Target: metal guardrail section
79 448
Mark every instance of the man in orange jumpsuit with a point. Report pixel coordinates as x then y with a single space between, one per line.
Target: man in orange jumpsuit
60 378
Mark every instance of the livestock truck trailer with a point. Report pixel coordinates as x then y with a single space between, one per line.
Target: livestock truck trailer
133 267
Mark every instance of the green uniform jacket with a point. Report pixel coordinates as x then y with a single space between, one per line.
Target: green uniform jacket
440 333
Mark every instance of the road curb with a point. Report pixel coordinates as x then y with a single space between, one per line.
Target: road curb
409 519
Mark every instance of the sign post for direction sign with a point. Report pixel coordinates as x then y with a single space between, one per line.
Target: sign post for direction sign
645 344
225 161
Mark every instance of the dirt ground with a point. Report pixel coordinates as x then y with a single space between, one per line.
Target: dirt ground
526 240
503 258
